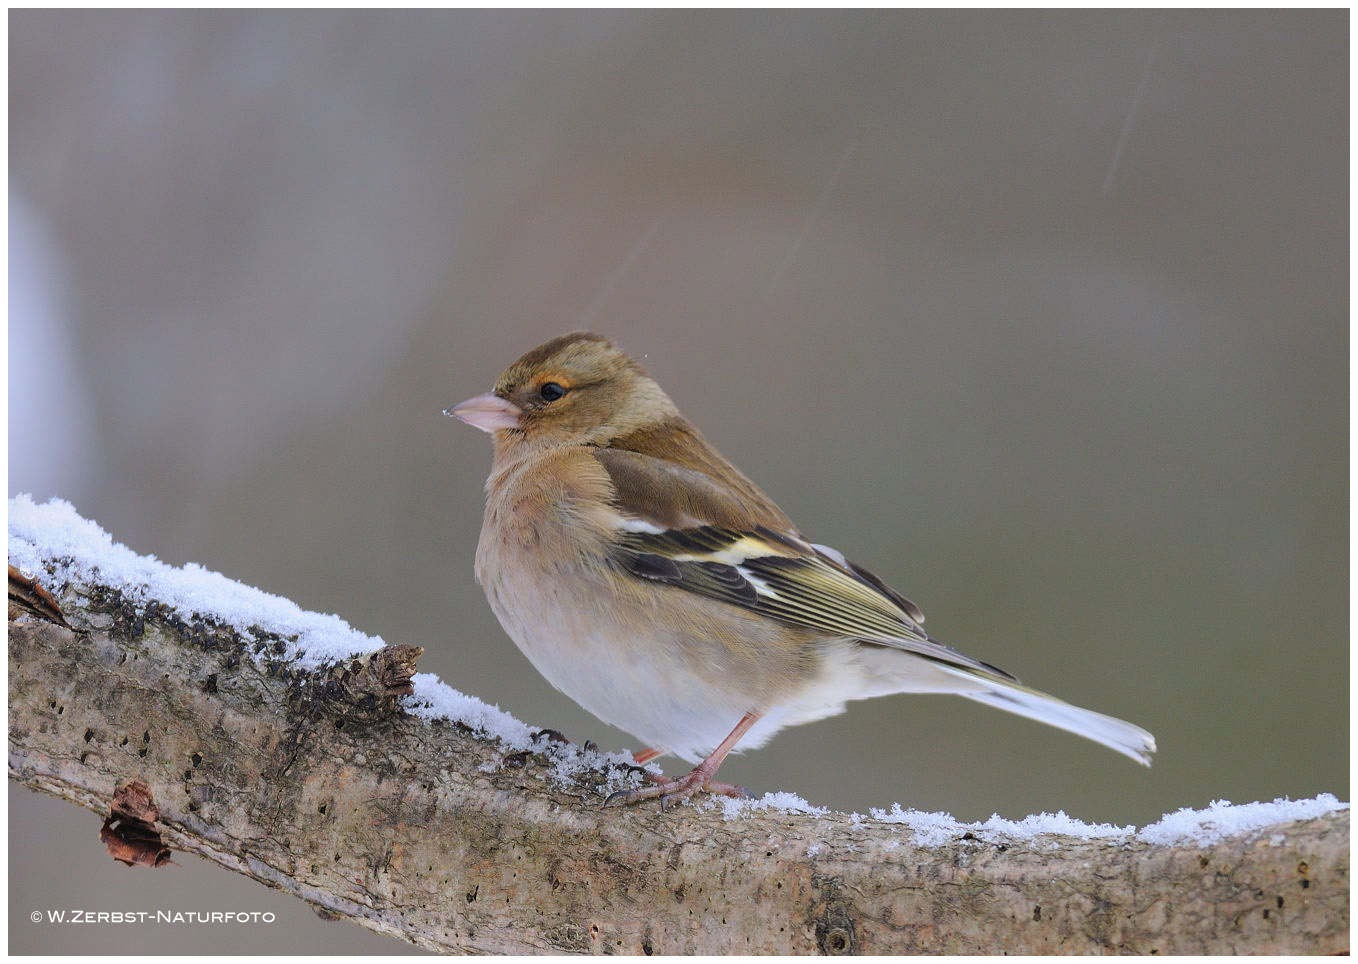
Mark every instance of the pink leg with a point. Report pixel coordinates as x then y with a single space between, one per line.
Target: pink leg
646 756
673 791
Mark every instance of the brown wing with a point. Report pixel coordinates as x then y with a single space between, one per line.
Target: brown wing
723 493
681 527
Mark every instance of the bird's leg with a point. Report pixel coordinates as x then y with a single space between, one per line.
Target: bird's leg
643 757
672 791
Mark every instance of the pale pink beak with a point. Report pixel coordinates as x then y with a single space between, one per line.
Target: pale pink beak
487 412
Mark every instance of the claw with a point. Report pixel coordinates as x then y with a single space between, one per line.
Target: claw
671 792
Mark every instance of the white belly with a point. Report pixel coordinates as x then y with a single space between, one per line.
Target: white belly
646 684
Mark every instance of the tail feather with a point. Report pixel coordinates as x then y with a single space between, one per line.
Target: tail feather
1123 737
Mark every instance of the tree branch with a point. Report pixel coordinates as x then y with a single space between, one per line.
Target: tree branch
319 784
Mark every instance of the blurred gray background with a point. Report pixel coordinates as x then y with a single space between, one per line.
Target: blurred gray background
1042 316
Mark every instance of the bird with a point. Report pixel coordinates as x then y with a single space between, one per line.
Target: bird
647 578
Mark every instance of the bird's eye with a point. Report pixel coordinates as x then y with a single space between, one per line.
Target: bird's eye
551 391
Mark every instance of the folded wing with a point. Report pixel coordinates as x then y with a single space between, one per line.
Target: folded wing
680 527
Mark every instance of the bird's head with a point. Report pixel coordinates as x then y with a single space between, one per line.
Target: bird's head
577 389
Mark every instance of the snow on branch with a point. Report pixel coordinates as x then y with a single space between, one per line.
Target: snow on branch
290 747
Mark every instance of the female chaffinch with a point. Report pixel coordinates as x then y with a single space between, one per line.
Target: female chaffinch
654 584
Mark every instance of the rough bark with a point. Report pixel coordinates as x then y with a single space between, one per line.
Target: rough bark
319 785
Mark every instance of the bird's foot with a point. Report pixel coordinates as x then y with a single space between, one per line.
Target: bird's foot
671 792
